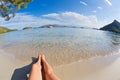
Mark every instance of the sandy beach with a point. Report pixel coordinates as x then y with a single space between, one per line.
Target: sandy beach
106 68
102 68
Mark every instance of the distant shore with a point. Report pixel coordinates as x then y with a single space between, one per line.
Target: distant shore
4 29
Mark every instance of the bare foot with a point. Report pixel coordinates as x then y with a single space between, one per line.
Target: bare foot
35 73
48 71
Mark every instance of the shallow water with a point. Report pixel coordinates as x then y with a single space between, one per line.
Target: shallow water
60 45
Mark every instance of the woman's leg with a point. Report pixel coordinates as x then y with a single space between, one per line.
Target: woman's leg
42 70
35 73
48 71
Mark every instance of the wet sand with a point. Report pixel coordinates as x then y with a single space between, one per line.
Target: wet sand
101 68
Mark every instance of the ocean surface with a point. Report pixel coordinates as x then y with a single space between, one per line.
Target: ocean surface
60 45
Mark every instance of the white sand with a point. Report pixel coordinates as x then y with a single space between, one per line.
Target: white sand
106 68
6 68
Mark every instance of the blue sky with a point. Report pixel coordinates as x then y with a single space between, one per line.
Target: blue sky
89 13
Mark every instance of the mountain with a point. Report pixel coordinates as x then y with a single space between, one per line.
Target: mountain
55 26
63 26
4 29
114 27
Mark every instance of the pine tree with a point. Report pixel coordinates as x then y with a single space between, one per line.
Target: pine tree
8 8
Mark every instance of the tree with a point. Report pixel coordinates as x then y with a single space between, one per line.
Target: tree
8 8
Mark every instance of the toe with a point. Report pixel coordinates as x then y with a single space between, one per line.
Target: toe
43 57
39 58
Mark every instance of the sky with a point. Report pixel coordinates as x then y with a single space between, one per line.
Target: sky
80 13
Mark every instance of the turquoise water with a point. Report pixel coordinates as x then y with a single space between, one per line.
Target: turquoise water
60 45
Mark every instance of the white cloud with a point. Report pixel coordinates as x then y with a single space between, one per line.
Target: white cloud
72 18
84 3
52 15
22 20
100 8
108 2
94 11
65 18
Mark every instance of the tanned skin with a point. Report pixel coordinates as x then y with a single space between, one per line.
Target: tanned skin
41 70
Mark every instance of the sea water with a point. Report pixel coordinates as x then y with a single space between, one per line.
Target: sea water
60 45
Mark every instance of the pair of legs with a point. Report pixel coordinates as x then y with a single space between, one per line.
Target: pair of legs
41 70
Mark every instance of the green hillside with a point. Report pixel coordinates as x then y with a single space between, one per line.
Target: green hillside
4 29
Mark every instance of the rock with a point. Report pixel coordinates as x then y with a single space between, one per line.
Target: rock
26 28
114 27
